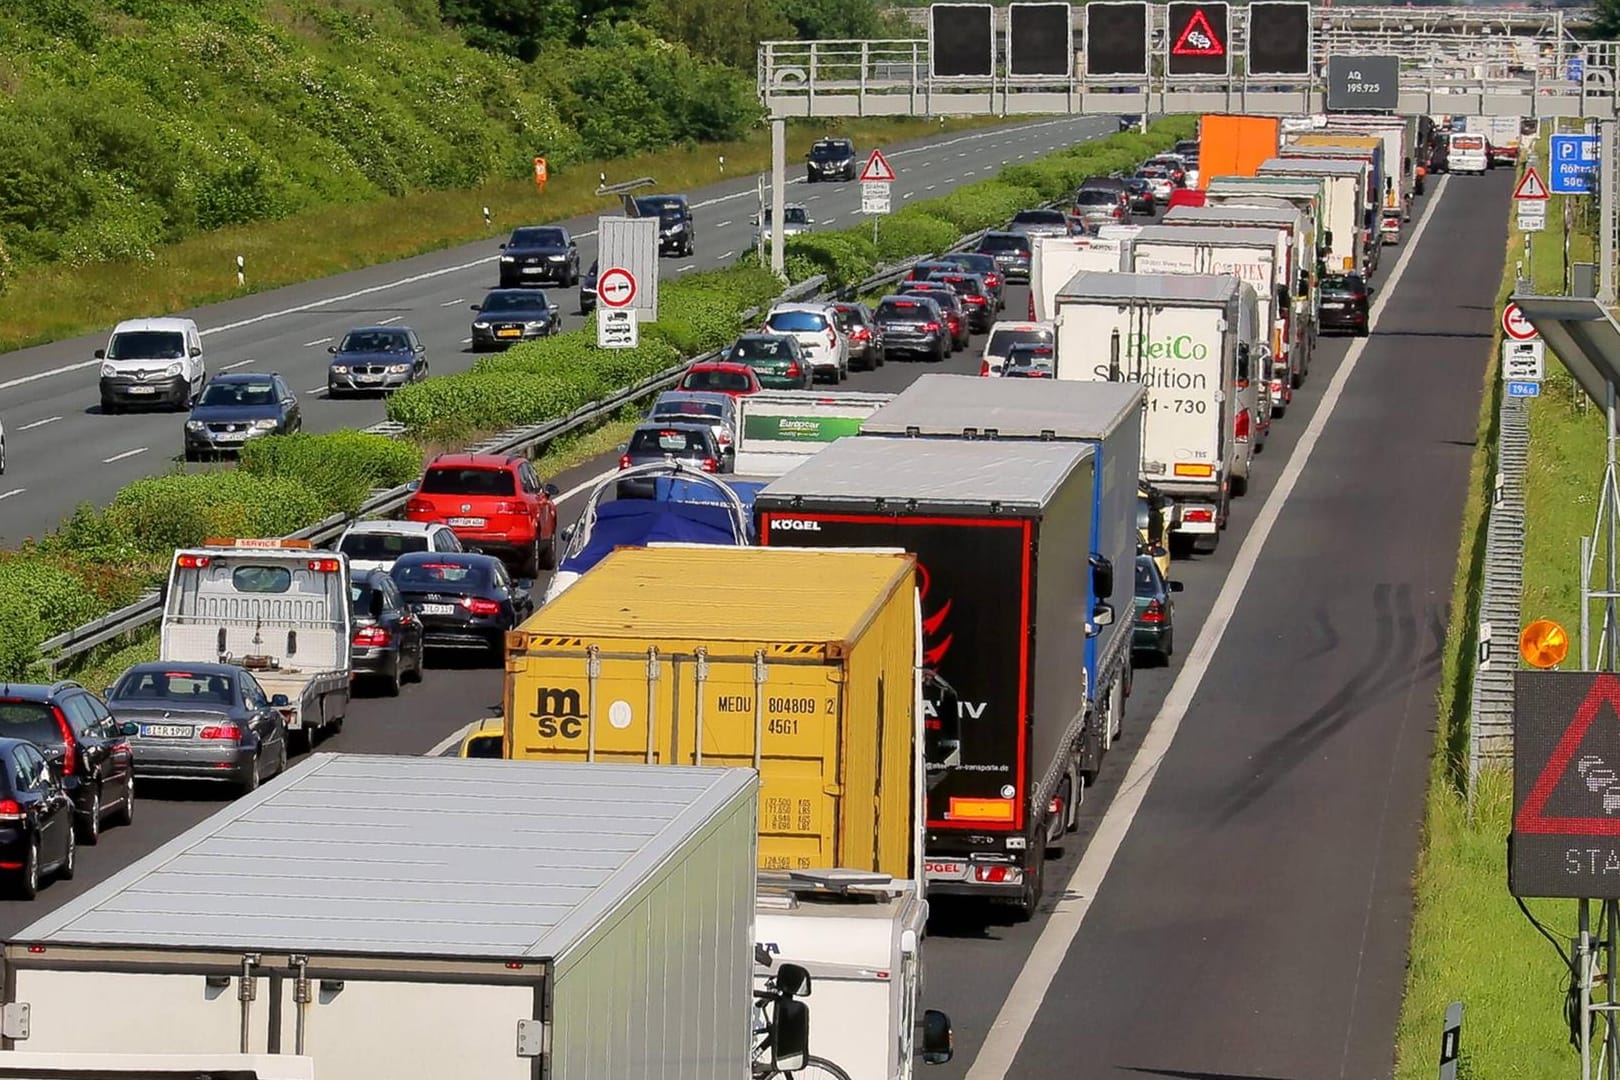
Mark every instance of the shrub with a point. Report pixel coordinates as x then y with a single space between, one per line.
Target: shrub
341 468
161 513
985 205
912 233
38 599
845 256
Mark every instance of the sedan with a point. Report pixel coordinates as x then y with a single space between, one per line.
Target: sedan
237 407
539 253
387 642
976 298
914 324
719 412
375 358
36 819
778 360
721 377
975 262
1142 195
956 313
1153 635
464 601
1030 361
687 443
201 722
508 316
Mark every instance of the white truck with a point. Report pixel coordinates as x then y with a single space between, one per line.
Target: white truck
779 429
1191 340
280 609
1306 194
1054 260
1253 255
1399 134
24 1065
1343 226
1503 132
393 917
1293 237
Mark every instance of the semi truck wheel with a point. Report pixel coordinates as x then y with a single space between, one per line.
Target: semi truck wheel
1034 885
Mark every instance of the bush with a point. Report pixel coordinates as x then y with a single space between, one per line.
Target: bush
845 256
161 513
341 469
985 205
38 599
911 233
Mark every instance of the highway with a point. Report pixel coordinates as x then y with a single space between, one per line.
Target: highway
62 451
1236 903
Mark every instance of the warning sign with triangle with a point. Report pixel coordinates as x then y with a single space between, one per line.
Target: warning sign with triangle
1198 38
1577 792
878 170
1530 186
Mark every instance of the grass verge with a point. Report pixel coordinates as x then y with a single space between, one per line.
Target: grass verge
1469 940
51 303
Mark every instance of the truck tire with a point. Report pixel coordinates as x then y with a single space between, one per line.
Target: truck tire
1034 885
1240 484
1116 713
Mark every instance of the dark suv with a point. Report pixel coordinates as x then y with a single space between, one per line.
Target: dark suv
86 746
674 216
830 159
1345 304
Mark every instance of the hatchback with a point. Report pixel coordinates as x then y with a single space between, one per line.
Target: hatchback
1010 250
387 645
688 443
36 819
914 324
374 545
1004 335
980 306
1097 206
975 262
721 377
777 359
89 749
865 342
494 503
956 314
236 408
720 412
1030 361
1345 303
1040 223
816 327
465 601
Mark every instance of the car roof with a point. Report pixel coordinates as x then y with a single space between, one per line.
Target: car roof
394 528
166 323
672 425
711 397
818 309
472 461
375 329
718 365
1023 324
230 377
36 691
905 298
469 558
533 293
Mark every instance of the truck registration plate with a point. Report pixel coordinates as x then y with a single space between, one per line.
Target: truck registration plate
466 523
167 731
438 609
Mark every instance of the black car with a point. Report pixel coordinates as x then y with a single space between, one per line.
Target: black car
465 601
539 253
36 819
690 444
976 298
371 359
1132 122
913 324
1345 303
89 749
387 645
674 216
831 159
201 722
236 407
508 316
1011 252
587 290
1140 194
975 262
957 318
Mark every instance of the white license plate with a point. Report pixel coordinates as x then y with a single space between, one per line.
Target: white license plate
466 523
534 269
367 378
1332 304
945 869
167 731
143 389
438 609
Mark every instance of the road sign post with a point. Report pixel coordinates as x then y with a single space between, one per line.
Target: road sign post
875 180
628 246
1523 361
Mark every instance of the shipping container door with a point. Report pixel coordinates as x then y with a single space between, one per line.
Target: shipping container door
397 1029
133 1013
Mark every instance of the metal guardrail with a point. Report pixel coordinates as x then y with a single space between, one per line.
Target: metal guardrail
81 639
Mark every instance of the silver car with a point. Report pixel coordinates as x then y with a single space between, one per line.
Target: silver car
795 220
372 359
719 411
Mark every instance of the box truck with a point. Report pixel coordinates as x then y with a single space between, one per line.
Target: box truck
1053 260
278 608
1235 145
1399 134
420 916
780 428
1343 226
1367 182
1012 590
1190 339
23 1065
1259 256
1382 185
1306 194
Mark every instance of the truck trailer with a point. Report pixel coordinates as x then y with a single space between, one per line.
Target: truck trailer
1012 590
408 916
1235 145
1382 186
1053 260
777 429
1343 227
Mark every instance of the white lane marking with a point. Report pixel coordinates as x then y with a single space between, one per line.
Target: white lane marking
385 322
1006 1036
811 198
684 269
239 363
926 164
908 194
309 344
727 255
454 738
466 341
963 154
125 454
829 219
453 303
970 172
722 225
930 187
13 491
428 275
316 389
39 423
586 486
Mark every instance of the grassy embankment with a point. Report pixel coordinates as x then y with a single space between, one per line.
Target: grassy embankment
1469 940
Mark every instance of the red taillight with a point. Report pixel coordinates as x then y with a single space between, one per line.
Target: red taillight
1198 516
708 464
222 732
325 566
860 333
979 300
418 506
70 753
984 367
793 369
724 438
479 606
624 461
192 562
372 637
1119 213
997 874
1359 296
1032 305
10 810
511 508
832 339
1242 426
992 280
1153 613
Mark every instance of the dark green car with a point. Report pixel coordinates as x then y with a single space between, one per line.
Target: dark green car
778 360
1153 636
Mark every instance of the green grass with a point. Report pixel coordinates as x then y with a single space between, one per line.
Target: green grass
1469 940
53 302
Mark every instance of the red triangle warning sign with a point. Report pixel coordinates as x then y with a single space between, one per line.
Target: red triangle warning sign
1595 778
878 170
1530 186
1198 39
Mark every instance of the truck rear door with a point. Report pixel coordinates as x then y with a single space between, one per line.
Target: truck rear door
264 609
1177 355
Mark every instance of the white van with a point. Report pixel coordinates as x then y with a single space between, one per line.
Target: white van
152 362
1466 152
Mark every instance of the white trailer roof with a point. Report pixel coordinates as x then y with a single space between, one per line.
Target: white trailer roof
1213 235
1314 166
1231 214
429 857
1170 288
1021 475
958 405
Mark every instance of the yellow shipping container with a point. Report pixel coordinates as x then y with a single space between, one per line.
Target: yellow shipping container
800 663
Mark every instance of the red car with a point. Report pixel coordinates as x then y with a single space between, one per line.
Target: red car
720 377
495 504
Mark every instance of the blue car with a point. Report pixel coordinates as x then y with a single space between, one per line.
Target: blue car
373 359
238 407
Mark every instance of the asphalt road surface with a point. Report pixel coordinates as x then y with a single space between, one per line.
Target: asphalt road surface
62 451
1236 903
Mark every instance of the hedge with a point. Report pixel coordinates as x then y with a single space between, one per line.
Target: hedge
38 599
341 469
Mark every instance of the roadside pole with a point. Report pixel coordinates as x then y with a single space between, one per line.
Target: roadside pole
1606 197
778 190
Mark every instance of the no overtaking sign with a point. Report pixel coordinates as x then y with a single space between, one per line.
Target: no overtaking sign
616 287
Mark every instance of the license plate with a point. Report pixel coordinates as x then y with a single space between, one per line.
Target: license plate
438 609
534 269
1332 304
143 389
167 731
466 523
229 436
945 869
367 378
508 333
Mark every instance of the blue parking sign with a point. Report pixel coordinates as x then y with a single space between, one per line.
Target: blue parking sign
1573 167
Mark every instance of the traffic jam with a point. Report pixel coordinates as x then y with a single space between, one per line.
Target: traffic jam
908 621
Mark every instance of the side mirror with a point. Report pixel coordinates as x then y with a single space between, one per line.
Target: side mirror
1327 240
1159 551
280 701
573 243
567 535
1102 576
937 1041
1103 615
412 485
790 1036
503 247
376 605
792 981
129 729
331 348
1371 289
101 354
1176 586
421 348
106 692
476 307
195 351
551 490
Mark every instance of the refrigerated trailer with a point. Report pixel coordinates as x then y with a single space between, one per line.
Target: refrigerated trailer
396 917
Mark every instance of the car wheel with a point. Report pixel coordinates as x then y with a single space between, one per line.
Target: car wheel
184 403
1240 485
548 554
531 561
28 877
108 408
250 782
1168 647
70 858
90 828
281 756
391 681
418 663
1034 885
126 813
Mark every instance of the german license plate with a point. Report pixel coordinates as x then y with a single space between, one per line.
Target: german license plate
945 869
438 609
534 269
466 523
1332 304
508 333
143 389
367 378
167 731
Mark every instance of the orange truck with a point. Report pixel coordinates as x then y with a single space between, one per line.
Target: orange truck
1235 145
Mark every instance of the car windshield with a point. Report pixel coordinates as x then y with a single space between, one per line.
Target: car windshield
793 215
762 348
1005 242
427 576
381 546
1039 217
1003 340
831 151
1144 515
660 206
239 393
454 481
538 238
938 292
374 341
849 317
147 345
1145 585
901 309
183 688
1096 198
516 300
716 379
1342 283
31 720
965 286
667 441
797 322
677 410
979 264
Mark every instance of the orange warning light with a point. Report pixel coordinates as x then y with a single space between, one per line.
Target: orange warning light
1544 644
